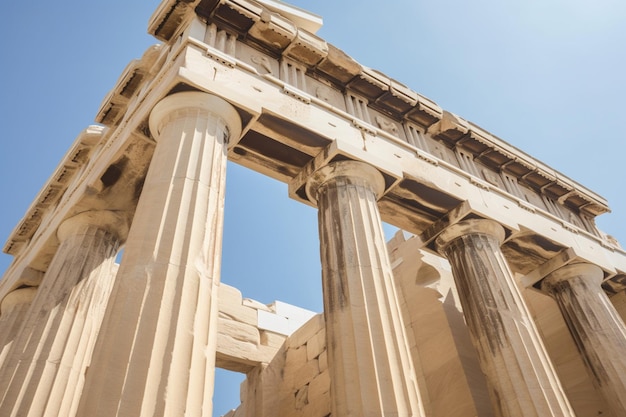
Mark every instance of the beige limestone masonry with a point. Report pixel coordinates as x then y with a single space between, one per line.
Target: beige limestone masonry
498 297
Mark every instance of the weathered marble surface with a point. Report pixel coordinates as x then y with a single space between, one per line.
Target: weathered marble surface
595 325
156 351
522 380
370 365
304 104
40 374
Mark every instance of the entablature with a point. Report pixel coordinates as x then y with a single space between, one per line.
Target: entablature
69 168
277 36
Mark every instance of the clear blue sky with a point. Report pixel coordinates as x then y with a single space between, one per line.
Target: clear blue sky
547 76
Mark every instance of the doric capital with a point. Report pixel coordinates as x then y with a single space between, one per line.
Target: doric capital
490 228
113 222
23 295
346 169
586 271
194 101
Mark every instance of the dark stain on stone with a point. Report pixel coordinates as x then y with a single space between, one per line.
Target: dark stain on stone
113 172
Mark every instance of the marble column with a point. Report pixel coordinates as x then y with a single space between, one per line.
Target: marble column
55 321
520 376
13 310
371 369
597 328
155 354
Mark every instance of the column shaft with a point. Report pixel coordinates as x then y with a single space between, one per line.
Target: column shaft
88 301
369 359
155 354
84 258
13 311
597 328
522 380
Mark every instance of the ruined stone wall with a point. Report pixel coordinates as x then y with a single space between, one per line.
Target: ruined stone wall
295 383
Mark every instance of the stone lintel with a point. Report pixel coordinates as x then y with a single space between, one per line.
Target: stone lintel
488 205
370 83
450 123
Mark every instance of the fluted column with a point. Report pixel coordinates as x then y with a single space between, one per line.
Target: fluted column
596 327
13 311
54 323
155 354
369 359
521 378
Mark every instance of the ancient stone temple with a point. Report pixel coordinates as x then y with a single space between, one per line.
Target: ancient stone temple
498 297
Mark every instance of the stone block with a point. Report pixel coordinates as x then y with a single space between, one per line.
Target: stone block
240 412
295 358
302 397
306 331
273 322
297 316
271 339
320 407
255 304
305 374
239 331
238 312
319 385
229 294
237 356
323 361
316 345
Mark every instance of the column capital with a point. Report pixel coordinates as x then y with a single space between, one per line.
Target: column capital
467 227
587 271
347 169
22 295
113 222
194 100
